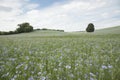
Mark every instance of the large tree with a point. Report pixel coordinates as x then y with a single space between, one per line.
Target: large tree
24 27
90 27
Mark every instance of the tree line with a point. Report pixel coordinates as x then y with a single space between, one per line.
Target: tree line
49 29
23 28
26 27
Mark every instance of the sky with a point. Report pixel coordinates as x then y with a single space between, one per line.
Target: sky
68 15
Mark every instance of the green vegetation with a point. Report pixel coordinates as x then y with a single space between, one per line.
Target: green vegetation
53 55
50 29
23 28
111 30
90 27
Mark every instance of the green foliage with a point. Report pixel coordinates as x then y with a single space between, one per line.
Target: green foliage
8 33
24 27
11 32
61 30
51 29
4 33
44 29
90 27
38 29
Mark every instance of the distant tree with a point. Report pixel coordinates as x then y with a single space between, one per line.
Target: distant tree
19 30
60 30
4 33
11 32
38 29
15 32
90 27
24 27
44 29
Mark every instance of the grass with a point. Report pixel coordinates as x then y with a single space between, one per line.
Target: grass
60 56
111 30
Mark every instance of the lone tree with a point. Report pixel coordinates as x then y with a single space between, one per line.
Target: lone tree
90 27
24 27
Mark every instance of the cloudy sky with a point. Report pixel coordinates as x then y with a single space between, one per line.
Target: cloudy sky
69 15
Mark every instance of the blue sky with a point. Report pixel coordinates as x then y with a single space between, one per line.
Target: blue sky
69 15
46 3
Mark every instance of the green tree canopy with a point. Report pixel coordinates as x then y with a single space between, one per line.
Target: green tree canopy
90 27
24 27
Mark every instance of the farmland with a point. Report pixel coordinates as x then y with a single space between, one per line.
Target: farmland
53 55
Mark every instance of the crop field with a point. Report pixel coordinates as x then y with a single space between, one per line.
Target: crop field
64 56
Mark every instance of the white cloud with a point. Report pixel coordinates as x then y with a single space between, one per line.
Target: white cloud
71 16
11 12
31 6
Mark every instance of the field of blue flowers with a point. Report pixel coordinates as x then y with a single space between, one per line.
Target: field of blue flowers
86 57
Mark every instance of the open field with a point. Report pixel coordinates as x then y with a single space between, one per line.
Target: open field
53 55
